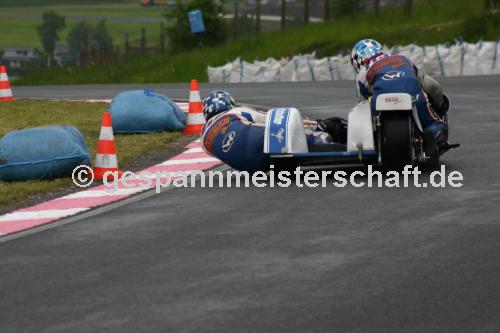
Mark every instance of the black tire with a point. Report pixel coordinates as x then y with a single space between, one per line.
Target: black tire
284 164
397 147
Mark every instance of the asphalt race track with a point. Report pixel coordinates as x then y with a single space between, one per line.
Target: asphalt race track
263 259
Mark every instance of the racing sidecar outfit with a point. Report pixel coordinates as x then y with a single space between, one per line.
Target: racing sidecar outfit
236 137
389 73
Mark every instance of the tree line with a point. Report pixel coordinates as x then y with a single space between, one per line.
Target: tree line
81 38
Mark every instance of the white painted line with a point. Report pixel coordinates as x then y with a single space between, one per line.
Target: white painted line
42 214
62 213
191 161
103 193
194 150
277 18
108 101
172 174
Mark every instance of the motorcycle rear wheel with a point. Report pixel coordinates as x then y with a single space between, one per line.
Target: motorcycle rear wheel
397 140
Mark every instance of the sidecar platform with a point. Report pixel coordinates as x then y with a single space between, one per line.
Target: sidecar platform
285 140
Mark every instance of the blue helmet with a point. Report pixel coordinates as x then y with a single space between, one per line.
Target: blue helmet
363 51
216 102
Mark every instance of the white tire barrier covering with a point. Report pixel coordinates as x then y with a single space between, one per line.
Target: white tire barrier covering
460 59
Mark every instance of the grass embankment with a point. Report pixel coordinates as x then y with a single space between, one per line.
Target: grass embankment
27 3
432 22
18 23
84 116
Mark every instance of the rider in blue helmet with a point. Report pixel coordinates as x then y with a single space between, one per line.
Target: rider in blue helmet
381 72
235 134
217 102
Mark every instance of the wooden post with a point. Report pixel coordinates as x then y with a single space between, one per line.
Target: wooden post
93 53
306 11
377 7
88 56
162 37
326 16
143 40
236 19
127 46
408 6
99 54
257 16
109 51
283 14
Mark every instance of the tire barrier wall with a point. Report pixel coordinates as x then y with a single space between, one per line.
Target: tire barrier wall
460 59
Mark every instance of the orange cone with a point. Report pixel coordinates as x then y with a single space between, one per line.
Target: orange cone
195 119
5 91
106 159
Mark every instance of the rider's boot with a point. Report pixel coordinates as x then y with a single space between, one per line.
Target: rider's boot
431 149
435 139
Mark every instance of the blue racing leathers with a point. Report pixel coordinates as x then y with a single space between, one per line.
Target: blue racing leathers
389 73
236 137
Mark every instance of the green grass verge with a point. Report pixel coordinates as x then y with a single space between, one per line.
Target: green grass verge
18 3
24 33
432 22
97 9
18 24
84 116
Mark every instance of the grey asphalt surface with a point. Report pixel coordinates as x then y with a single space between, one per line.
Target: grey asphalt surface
263 259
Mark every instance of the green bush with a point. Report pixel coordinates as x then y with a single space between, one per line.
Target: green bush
474 28
49 30
29 3
433 22
83 37
481 26
343 8
79 37
179 32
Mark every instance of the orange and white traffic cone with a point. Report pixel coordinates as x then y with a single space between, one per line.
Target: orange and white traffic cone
5 91
195 119
106 159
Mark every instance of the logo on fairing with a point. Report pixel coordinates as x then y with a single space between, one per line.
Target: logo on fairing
218 127
279 135
279 116
394 75
393 100
228 140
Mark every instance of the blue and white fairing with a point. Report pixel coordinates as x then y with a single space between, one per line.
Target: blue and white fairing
236 137
285 132
285 137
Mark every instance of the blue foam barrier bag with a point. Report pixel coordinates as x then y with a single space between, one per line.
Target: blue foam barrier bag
144 111
42 153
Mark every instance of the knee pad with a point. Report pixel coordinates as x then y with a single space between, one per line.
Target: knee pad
434 91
